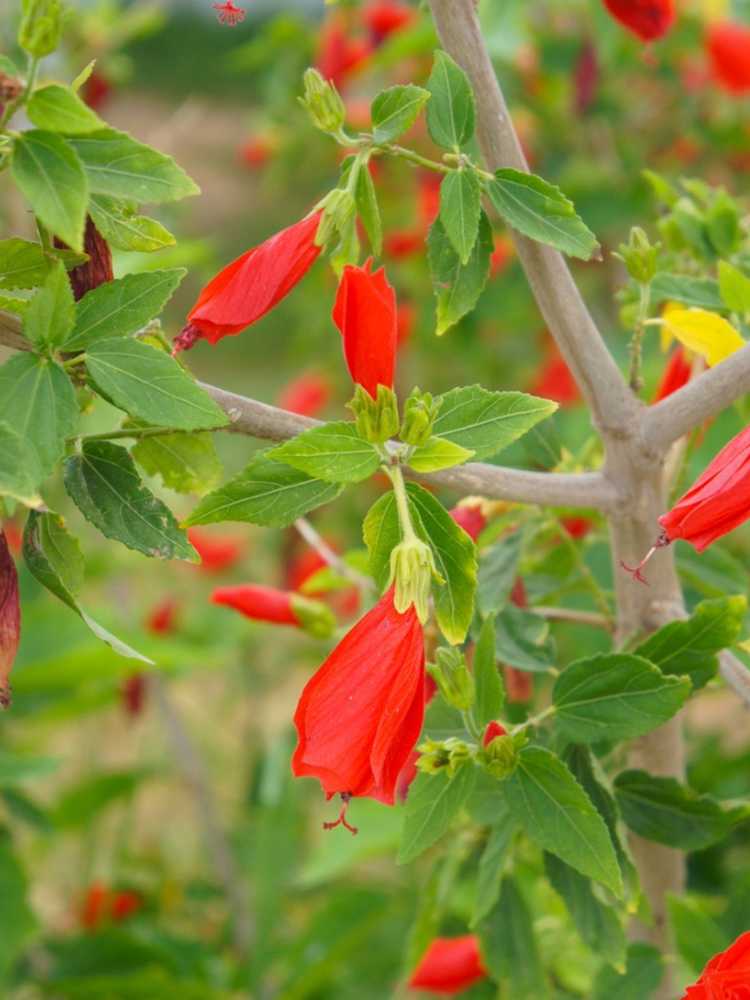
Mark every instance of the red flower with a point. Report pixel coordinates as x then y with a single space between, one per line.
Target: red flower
449 966
383 17
555 380
252 285
519 685
101 904
360 716
256 152
10 618
263 604
365 313
339 55
586 78
405 322
676 374
727 975
162 618
501 255
133 694
96 90
493 730
728 46
125 904
429 198
470 518
217 552
577 527
228 13
307 395
403 243
648 19
717 502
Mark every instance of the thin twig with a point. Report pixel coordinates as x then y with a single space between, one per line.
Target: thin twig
574 615
332 559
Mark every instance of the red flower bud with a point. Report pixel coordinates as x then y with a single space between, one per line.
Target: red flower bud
727 975
10 619
133 694
449 966
405 322
360 715
493 730
577 527
124 904
728 46
98 268
648 19
383 17
718 500
256 152
676 374
586 78
470 518
162 618
263 604
306 395
365 313
217 552
555 380
101 904
501 255
252 284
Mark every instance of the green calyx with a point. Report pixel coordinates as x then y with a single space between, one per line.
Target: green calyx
412 571
443 755
323 102
314 617
420 413
500 757
376 420
453 678
639 256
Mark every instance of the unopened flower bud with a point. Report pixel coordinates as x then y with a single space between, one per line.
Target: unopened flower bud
493 730
323 102
376 420
420 412
41 22
412 570
639 256
442 755
499 754
453 678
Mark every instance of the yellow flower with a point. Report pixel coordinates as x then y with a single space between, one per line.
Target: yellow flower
704 332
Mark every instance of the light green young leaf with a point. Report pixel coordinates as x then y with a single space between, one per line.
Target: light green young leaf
395 110
457 287
439 453
60 109
187 463
123 228
382 533
334 452
433 803
450 112
735 288
50 314
460 208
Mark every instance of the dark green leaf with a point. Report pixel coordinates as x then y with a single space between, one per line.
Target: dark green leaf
522 640
395 110
457 287
16 917
334 452
22 264
49 316
17 476
382 533
498 568
433 803
460 208
491 865
450 112
509 944
642 976
59 109
490 696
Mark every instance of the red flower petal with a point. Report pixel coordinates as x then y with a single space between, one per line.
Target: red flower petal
263 604
648 19
728 45
365 313
449 966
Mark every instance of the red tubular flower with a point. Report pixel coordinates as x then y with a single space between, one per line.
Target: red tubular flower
365 313
10 618
360 716
133 694
256 152
676 374
449 966
519 685
493 730
403 243
648 19
727 975
586 78
217 552
339 55
263 604
501 255
728 45
94 906
252 285
577 527
383 17
405 322
429 198
102 903
470 518
307 395
124 904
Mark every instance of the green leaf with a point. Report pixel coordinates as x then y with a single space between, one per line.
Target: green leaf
366 199
120 166
49 316
450 113
490 696
558 815
22 264
38 401
52 179
54 558
16 768
186 463
334 452
17 477
689 648
542 212
395 110
16 917
663 810
642 976
615 696
734 287
439 453
697 935
460 208
456 560
700 293
498 569
121 307
59 109
434 899
124 229
491 864
147 383
83 802
486 422
457 287
596 922
522 640
103 483
433 803
509 944
266 492
382 533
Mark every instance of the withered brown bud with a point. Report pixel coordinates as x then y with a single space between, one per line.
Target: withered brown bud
97 269
10 618
10 88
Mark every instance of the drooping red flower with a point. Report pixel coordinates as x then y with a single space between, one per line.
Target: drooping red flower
717 502
728 45
555 380
727 975
97 269
365 313
449 966
252 284
10 618
360 716
384 17
133 694
492 731
339 54
648 19
102 904
677 373
308 394
228 13
162 618
263 604
470 518
403 243
217 552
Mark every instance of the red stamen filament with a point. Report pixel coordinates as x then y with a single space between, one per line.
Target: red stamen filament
635 571
342 821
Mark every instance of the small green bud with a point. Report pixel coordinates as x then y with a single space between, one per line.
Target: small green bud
376 420
323 102
420 413
442 755
41 22
314 617
453 678
639 256
412 570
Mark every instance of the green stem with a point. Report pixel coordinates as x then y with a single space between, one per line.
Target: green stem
535 719
402 502
471 725
636 344
126 432
412 157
